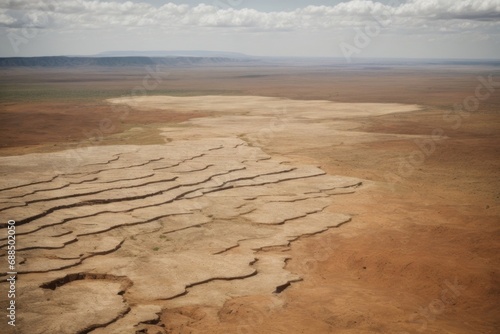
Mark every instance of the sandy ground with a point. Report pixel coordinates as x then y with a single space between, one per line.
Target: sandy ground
420 254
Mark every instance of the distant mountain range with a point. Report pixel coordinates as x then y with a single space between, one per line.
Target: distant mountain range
175 53
115 61
186 58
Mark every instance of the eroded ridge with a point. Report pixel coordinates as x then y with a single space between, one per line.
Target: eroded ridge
135 229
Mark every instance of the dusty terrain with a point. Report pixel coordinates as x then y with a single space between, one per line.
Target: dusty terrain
379 226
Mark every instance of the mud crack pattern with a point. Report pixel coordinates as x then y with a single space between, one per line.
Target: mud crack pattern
104 245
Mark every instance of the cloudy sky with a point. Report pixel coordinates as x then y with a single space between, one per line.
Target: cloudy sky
320 28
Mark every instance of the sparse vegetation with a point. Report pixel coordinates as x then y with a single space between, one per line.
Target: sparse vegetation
56 92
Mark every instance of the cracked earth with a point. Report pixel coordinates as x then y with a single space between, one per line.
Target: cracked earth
109 236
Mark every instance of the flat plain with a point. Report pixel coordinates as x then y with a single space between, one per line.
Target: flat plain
259 199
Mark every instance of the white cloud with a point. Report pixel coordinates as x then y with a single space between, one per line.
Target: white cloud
449 9
105 14
100 25
6 19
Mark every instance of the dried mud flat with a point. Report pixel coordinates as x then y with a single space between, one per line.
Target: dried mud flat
207 232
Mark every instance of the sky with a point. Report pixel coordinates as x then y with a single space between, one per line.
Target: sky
466 29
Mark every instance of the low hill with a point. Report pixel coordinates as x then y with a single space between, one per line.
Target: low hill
175 53
63 61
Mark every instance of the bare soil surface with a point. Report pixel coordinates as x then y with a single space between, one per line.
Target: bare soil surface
421 251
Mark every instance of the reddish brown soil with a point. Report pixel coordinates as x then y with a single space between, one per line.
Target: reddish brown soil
390 269
420 255
49 126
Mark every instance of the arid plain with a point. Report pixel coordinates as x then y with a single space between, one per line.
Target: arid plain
258 199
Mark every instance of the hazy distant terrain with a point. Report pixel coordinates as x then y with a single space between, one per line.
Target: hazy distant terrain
214 58
175 53
112 61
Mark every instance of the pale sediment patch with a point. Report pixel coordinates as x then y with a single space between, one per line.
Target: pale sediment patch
278 125
182 223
